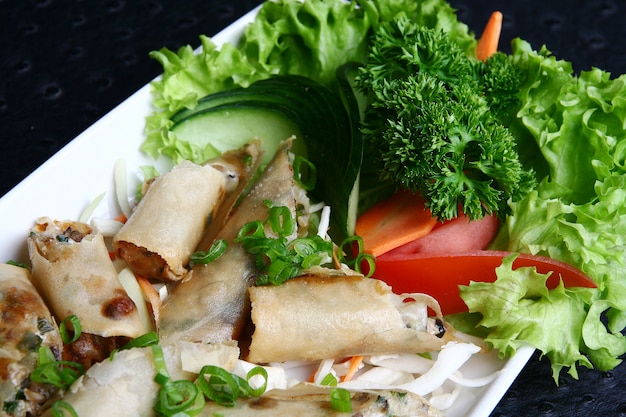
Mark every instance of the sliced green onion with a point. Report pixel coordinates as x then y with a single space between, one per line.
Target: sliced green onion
307 177
61 374
176 398
281 221
62 409
251 229
215 251
257 370
145 340
179 398
15 263
276 257
159 364
218 385
348 247
330 380
371 263
304 246
76 326
340 400
224 388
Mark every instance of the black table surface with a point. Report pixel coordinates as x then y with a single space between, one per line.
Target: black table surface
65 64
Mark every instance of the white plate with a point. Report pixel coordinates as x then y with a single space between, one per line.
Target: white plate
64 186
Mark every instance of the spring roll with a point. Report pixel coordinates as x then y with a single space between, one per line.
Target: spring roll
312 401
167 224
324 316
26 325
211 304
124 386
73 272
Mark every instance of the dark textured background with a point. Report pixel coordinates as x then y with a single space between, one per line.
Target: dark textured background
64 64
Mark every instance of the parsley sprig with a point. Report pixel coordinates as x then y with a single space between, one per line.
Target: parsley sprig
434 123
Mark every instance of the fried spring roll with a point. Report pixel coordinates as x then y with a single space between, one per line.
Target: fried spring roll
324 317
312 401
26 325
167 224
73 272
211 304
125 385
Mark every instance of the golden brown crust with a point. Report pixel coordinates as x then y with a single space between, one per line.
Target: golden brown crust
25 326
167 224
320 317
77 277
211 304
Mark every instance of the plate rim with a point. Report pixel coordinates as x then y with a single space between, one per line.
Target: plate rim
140 102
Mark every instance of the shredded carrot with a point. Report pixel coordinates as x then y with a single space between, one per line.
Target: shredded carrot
151 295
394 222
488 42
121 218
355 362
112 255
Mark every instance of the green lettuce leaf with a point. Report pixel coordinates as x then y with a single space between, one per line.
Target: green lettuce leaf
311 38
573 126
187 77
518 309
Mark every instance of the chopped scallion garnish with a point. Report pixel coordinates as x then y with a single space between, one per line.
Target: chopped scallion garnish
61 374
215 251
354 245
224 388
340 400
278 258
329 379
63 409
148 339
76 329
176 398
305 177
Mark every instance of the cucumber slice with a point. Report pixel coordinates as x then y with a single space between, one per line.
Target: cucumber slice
229 127
275 109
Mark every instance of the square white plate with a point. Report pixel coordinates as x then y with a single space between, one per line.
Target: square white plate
65 185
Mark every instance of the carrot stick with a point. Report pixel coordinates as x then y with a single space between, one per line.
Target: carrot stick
488 42
394 222
121 218
355 362
151 294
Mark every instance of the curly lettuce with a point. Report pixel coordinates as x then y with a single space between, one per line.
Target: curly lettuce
573 126
311 38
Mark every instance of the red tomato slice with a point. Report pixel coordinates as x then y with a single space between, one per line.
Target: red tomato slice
439 275
457 235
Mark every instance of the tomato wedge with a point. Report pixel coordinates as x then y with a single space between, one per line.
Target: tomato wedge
439 275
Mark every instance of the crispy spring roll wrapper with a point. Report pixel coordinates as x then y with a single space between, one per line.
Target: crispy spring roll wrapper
211 304
25 325
305 400
73 272
323 316
125 386
240 166
167 224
